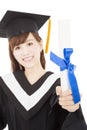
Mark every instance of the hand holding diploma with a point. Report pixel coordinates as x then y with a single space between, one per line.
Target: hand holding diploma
66 100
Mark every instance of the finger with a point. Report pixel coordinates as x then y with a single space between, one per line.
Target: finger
72 108
58 90
66 103
66 93
66 98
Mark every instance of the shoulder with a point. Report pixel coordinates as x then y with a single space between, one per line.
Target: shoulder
4 76
9 75
2 92
55 76
4 79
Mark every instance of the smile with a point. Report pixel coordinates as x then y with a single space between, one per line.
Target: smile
28 58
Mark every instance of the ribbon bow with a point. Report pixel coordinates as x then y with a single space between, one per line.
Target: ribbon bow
65 64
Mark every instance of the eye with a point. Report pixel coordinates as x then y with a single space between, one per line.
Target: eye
16 47
30 43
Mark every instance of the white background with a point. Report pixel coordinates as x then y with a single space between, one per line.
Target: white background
73 10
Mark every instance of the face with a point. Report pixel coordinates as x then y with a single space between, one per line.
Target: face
28 53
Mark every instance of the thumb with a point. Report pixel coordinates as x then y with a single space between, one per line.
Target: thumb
58 90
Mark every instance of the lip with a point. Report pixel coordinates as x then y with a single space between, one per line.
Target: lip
28 58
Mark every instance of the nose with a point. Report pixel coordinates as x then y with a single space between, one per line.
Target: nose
25 50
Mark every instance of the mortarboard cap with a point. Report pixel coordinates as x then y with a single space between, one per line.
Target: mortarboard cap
15 23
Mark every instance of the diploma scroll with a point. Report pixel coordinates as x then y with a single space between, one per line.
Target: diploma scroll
64 42
68 79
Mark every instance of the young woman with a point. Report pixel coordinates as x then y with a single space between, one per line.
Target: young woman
31 97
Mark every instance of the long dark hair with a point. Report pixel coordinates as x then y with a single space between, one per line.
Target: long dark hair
16 40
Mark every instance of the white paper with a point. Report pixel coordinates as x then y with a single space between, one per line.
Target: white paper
64 42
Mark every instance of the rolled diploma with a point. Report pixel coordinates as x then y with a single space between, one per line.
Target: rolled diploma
64 42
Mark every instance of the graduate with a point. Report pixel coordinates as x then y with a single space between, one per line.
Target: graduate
31 98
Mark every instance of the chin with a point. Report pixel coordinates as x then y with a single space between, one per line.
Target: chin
28 66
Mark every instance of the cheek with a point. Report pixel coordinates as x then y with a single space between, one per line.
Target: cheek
37 52
16 55
38 49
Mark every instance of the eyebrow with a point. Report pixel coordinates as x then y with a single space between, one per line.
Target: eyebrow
29 40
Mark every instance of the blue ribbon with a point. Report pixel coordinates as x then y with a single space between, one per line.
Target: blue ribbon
65 64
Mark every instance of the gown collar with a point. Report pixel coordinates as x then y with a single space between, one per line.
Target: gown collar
25 103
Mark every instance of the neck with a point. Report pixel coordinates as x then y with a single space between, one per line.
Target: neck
33 74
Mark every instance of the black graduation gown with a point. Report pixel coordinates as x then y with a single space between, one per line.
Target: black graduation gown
45 114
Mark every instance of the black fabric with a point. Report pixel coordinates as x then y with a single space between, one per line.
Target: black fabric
15 23
75 121
26 85
49 116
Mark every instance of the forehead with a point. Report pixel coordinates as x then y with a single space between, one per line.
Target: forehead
15 41
30 37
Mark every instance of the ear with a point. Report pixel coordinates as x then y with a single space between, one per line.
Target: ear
41 45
